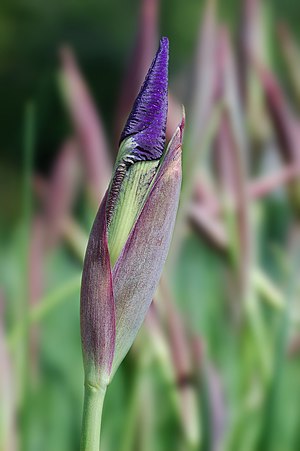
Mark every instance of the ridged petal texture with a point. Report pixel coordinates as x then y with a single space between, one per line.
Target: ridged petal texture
137 272
147 121
97 306
114 302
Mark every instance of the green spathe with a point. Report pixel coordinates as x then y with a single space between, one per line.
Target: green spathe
127 194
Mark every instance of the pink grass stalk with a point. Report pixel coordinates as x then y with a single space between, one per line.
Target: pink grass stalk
285 125
217 407
182 361
254 41
87 125
204 91
236 142
209 226
139 62
7 391
291 53
62 189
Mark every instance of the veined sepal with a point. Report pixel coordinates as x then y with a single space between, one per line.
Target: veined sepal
115 299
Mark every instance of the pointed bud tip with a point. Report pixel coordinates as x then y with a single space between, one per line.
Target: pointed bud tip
146 124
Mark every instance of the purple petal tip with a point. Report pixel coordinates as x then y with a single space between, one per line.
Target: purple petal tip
146 123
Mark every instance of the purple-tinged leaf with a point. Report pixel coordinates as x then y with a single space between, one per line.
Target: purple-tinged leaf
87 125
61 190
238 146
206 208
223 160
146 124
286 127
174 353
140 60
294 346
206 75
218 413
209 226
205 195
254 37
254 41
229 88
270 182
97 309
178 337
183 367
291 54
139 267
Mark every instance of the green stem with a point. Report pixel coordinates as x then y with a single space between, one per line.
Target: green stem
92 414
131 421
24 348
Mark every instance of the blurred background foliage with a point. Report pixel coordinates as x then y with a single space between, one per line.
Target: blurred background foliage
102 35
217 365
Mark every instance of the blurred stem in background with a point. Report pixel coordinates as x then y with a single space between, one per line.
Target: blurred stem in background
8 425
244 382
23 354
290 270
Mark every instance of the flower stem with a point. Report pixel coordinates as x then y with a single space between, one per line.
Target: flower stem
92 414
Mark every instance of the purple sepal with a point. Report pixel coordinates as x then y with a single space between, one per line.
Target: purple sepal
97 305
146 123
